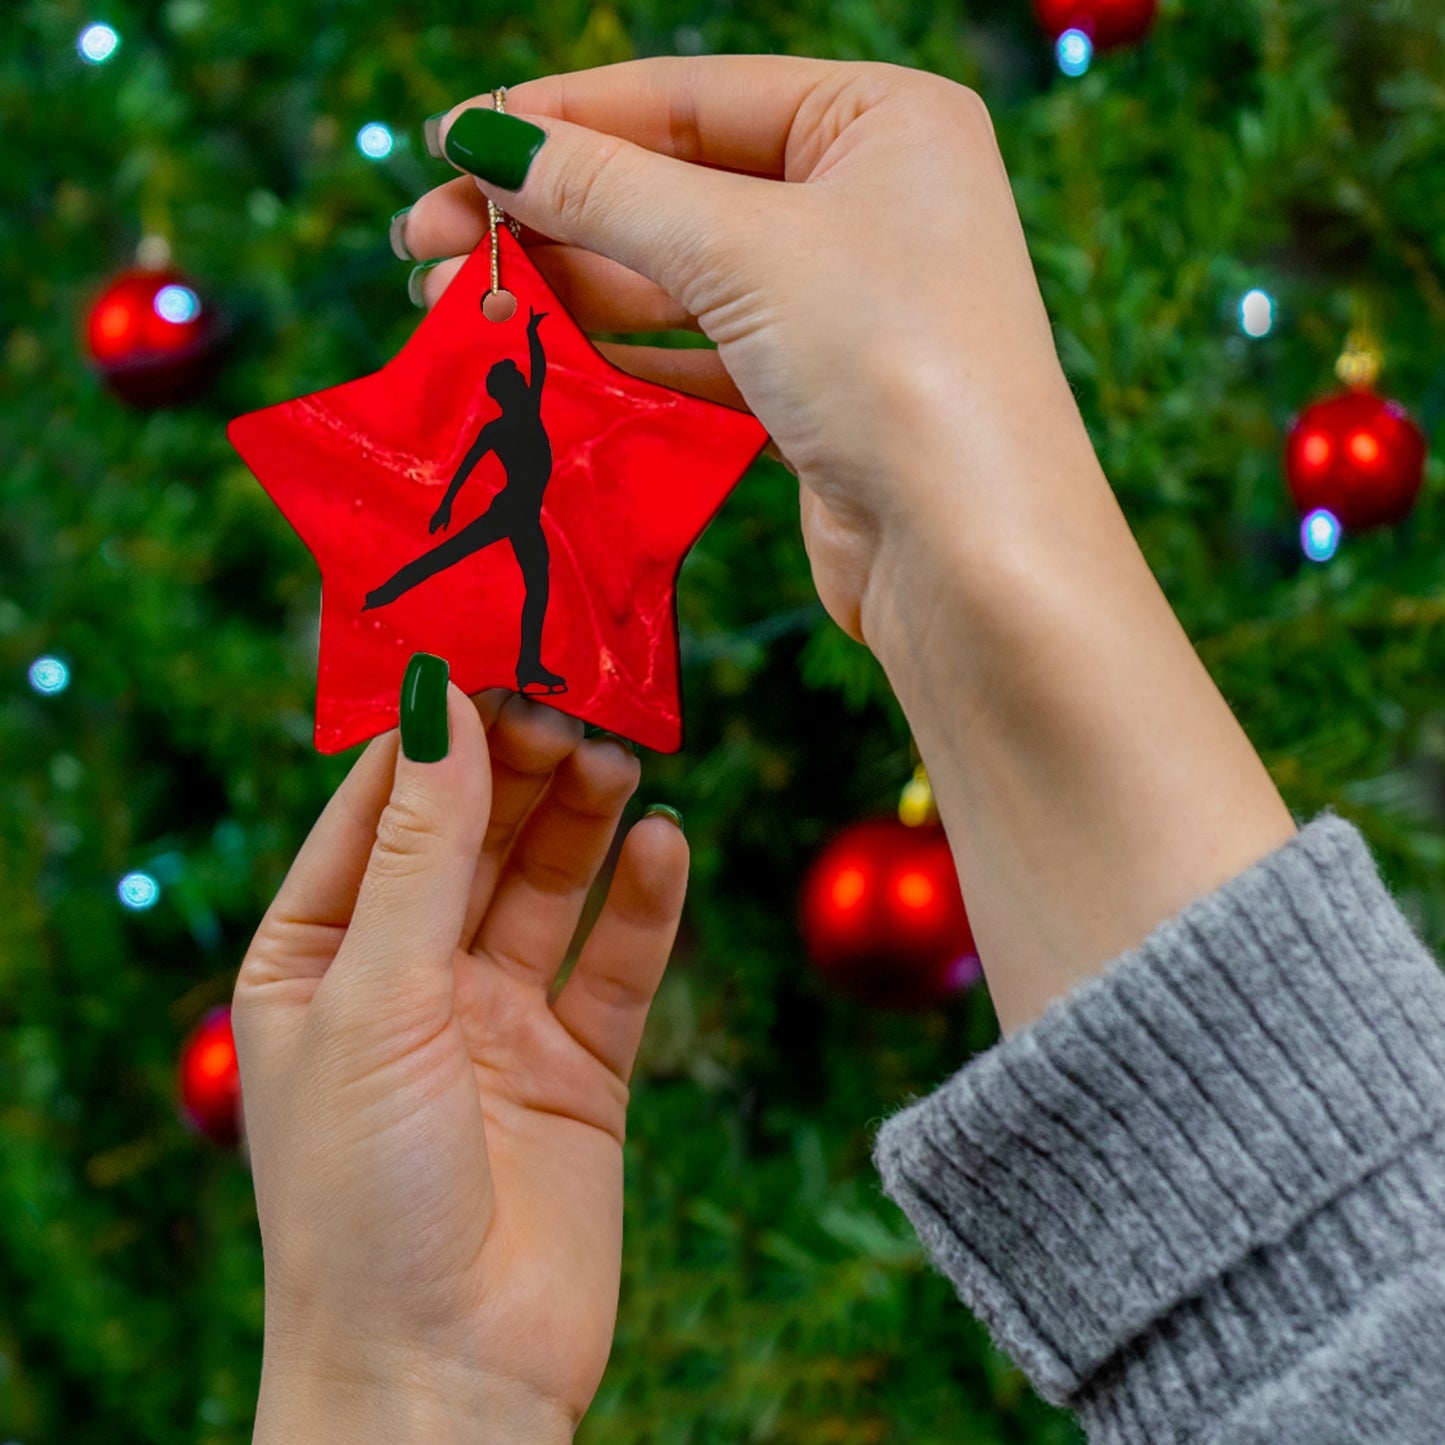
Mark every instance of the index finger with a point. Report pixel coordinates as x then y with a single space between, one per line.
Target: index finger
736 112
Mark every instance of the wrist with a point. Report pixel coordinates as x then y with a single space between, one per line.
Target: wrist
321 1402
979 509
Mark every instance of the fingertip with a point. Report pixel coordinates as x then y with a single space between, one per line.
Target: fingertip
448 760
427 282
537 721
489 703
467 728
659 848
664 810
604 771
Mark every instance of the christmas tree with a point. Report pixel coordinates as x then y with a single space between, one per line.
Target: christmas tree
1212 212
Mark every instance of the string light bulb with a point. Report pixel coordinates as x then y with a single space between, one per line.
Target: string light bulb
375 140
138 891
49 676
1074 52
1320 535
1256 313
97 43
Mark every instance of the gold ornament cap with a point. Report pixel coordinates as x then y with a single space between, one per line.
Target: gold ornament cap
915 804
1360 362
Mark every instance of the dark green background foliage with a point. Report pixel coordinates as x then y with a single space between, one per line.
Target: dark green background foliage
770 1292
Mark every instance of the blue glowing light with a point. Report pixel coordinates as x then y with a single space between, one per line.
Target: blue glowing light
138 891
177 304
375 140
97 43
1320 535
1256 313
1075 52
49 675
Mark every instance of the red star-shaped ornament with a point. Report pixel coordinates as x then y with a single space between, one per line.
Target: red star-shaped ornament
503 496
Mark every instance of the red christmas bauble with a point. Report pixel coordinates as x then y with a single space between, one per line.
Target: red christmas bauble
210 1080
1107 23
883 917
152 338
1359 456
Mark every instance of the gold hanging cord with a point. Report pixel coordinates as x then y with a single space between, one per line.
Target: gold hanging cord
1360 362
494 212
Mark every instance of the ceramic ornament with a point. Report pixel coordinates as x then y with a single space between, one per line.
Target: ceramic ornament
501 495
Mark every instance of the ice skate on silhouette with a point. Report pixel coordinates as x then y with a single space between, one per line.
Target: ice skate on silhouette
522 447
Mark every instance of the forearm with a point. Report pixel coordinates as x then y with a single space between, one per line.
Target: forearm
1092 779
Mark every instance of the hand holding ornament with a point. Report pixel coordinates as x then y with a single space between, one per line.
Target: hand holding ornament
436 1143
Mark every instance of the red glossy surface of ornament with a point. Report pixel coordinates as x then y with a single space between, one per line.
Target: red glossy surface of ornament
210 1080
1359 456
637 471
152 337
883 917
1107 23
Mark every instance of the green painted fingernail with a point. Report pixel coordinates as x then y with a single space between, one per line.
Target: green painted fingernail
397 234
603 735
413 283
431 133
425 736
498 148
671 814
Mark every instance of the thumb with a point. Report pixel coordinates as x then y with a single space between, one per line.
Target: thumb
395 964
669 220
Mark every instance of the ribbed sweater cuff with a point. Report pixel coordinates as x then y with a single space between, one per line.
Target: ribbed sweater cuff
1167 1126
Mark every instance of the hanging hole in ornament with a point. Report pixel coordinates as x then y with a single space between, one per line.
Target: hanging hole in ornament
499 305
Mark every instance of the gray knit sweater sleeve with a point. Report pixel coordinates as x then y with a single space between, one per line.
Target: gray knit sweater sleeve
1202 1199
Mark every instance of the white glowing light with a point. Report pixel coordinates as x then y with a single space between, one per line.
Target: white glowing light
1256 313
177 304
97 43
1320 535
375 140
138 891
1075 52
49 675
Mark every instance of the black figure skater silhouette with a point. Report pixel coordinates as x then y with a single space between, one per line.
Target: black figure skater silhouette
521 445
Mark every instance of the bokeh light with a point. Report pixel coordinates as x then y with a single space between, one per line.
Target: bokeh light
138 891
1320 535
1075 52
375 140
1256 313
849 887
965 970
49 675
1315 451
1364 448
97 43
177 303
915 890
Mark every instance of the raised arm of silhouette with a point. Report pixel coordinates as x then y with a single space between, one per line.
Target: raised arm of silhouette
484 443
539 357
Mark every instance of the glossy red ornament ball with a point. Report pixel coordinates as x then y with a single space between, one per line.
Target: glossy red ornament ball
1359 456
1107 23
210 1080
883 917
152 338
